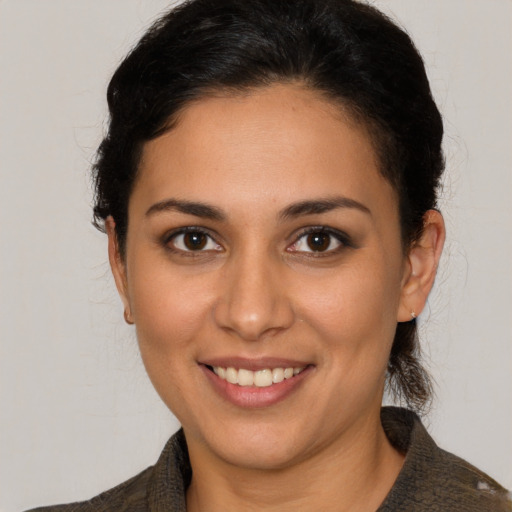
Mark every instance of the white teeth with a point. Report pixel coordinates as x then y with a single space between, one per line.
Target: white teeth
232 375
277 375
246 377
260 378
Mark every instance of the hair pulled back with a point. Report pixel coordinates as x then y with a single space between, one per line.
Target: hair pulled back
348 51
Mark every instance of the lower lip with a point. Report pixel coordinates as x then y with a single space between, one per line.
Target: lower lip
253 397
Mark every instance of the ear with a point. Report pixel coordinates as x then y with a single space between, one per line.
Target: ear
118 266
421 266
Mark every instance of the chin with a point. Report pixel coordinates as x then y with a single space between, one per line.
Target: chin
258 445
261 452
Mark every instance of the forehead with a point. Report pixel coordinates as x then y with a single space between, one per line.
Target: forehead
280 143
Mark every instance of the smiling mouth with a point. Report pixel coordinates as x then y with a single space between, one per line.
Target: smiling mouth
260 378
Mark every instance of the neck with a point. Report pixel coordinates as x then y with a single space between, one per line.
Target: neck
354 473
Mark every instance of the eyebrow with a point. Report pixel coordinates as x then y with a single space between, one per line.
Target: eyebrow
202 210
316 206
309 207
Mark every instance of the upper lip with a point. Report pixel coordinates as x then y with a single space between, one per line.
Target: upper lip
254 364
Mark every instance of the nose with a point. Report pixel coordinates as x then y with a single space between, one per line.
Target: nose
253 298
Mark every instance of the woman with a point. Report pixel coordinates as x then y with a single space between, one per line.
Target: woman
268 187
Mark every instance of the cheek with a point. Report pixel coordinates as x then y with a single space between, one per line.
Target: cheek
168 308
169 313
354 315
355 308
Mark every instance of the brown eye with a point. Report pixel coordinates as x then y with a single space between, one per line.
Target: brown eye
318 242
195 241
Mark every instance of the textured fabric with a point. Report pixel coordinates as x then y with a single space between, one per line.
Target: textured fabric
431 479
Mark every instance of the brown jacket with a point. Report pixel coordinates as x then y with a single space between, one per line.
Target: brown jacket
431 479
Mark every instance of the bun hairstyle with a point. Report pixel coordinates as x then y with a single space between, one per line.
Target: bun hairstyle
349 52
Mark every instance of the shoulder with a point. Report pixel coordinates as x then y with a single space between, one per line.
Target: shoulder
130 495
433 479
458 483
161 486
481 485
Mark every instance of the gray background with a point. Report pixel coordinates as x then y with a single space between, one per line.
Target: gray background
78 413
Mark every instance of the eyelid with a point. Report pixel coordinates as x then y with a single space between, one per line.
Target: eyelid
344 239
174 233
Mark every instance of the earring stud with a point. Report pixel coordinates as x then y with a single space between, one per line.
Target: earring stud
413 315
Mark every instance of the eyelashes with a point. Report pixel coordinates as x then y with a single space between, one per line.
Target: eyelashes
191 241
312 241
320 240
195 241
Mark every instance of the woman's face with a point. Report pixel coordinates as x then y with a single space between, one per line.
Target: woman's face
262 238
